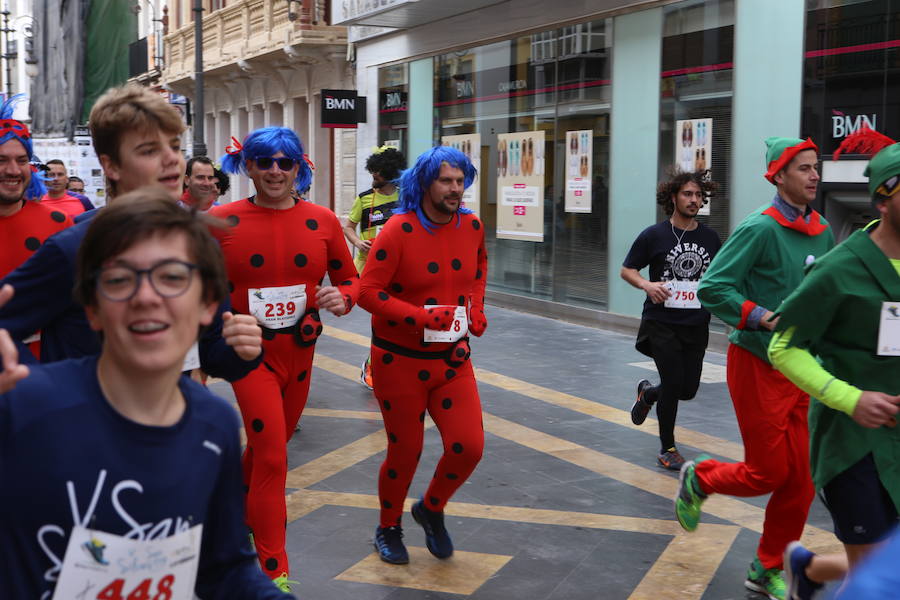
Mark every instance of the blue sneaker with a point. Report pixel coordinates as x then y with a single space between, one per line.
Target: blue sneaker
389 545
436 537
799 586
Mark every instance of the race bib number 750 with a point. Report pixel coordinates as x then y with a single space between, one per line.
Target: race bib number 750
684 294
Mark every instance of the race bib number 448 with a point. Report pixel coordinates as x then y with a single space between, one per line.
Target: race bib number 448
103 566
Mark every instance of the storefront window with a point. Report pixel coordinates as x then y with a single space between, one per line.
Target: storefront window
851 70
525 108
393 96
696 97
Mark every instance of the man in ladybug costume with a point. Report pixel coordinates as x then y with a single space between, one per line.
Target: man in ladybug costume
424 285
278 250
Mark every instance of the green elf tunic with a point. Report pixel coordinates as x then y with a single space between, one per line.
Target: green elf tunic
835 314
759 265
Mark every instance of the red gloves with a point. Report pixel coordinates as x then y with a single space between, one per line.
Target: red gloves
477 320
438 318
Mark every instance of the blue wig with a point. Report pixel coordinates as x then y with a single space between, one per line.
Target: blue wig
264 143
10 129
414 181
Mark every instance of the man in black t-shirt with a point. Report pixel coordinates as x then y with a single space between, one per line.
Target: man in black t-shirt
674 327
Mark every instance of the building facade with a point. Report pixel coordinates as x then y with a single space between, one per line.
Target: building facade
574 115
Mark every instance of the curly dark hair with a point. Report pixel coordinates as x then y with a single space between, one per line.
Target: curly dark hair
224 181
388 163
678 179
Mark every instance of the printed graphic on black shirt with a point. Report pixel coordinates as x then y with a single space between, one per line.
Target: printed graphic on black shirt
686 262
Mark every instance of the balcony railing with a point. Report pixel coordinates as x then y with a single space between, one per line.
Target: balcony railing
247 29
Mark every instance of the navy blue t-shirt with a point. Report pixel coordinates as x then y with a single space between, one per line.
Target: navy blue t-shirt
671 254
66 457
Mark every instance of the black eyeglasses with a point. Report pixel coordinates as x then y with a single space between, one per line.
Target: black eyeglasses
169 279
284 163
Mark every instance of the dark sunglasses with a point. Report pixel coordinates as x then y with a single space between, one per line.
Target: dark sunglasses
284 163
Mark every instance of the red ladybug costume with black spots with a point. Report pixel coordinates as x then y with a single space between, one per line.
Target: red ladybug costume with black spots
416 263
24 232
276 259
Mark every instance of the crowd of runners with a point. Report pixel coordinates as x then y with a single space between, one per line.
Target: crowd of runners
104 311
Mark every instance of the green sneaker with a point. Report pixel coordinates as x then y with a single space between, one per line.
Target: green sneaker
690 497
765 581
284 584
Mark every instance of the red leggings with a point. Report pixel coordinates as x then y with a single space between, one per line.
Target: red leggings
271 398
771 413
406 388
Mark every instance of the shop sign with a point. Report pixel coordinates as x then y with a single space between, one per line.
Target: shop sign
843 125
342 108
393 100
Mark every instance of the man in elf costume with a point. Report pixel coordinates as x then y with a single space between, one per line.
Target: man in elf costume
846 313
759 265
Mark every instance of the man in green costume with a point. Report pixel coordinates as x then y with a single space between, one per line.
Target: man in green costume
759 265
847 313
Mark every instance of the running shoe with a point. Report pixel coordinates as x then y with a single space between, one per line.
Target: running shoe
283 583
436 537
690 497
641 407
670 459
799 586
389 545
765 581
365 374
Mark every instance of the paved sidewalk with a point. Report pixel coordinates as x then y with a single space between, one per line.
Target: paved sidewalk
567 503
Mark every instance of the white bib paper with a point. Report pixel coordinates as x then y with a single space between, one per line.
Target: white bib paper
459 328
684 294
889 329
104 566
277 307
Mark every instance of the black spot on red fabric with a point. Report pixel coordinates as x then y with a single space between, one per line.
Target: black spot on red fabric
230 287
446 403
233 220
308 329
409 321
271 564
457 447
406 227
32 243
383 296
302 375
434 500
312 224
257 260
381 254
347 282
456 264
424 375
257 425
422 417
387 504
387 358
58 216
478 274
386 404
476 224
393 438
450 374
392 473
397 287
460 352
446 313
431 301
432 267
394 323
461 301
452 476
300 260
335 264
268 334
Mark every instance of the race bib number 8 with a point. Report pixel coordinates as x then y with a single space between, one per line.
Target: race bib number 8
684 294
459 328
103 566
277 307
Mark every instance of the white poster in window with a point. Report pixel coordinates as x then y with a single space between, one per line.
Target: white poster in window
693 148
470 145
520 186
579 156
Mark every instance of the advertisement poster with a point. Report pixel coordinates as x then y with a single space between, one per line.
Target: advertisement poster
80 161
520 186
693 147
470 145
579 155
